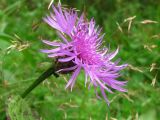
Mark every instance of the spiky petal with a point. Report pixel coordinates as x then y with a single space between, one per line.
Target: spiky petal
83 49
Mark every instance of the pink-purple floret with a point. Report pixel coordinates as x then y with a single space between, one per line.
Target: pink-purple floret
81 44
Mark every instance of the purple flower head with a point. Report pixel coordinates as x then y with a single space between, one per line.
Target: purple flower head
81 49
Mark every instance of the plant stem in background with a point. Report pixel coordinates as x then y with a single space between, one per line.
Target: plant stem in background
45 75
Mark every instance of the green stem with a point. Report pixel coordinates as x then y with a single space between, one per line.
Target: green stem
41 78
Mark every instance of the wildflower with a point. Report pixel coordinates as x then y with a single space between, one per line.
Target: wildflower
81 49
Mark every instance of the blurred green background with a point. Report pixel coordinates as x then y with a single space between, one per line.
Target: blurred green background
133 25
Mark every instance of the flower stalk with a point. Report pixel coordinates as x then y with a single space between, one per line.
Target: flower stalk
50 71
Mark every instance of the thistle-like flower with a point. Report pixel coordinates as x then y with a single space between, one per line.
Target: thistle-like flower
81 49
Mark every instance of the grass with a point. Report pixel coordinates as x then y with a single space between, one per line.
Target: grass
21 32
